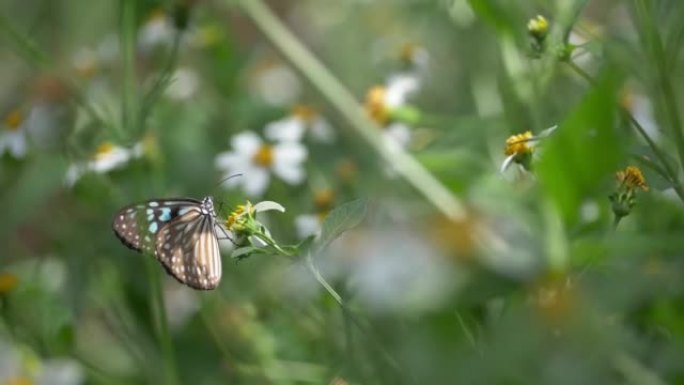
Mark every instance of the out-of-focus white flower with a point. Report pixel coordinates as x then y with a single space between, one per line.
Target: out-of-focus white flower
276 84
19 365
416 57
184 84
180 304
107 157
13 134
158 30
256 160
641 108
308 225
60 371
86 62
302 119
395 270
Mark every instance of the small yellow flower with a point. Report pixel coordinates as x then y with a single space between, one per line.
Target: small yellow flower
631 178
375 105
13 120
235 218
519 144
538 27
8 282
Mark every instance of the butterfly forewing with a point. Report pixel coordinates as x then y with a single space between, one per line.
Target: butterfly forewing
188 248
137 225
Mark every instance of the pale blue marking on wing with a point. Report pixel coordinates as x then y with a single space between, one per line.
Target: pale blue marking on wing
165 214
153 227
184 210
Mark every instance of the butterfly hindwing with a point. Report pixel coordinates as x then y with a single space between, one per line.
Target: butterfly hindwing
188 248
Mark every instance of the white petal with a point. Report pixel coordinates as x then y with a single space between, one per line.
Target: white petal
268 206
288 129
246 143
289 153
307 225
398 134
73 174
232 162
16 141
116 158
322 131
255 181
290 173
507 162
400 87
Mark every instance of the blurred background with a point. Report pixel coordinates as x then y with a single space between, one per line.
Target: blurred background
480 257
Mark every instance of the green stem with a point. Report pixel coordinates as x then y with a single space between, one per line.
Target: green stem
616 221
161 82
161 323
665 86
349 109
128 42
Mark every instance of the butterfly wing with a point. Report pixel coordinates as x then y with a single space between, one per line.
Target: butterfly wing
137 225
189 250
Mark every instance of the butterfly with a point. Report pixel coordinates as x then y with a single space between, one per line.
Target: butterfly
181 233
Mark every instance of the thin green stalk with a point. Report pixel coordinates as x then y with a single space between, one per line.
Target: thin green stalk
348 107
664 85
161 82
161 323
128 27
616 221
671 172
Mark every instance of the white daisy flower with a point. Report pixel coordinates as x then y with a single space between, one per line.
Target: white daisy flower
382 100
302 119
256 160
107 157
13 135
308 225
158 30
184 84
276 84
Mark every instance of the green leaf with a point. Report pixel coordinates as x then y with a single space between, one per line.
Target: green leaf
340 220
584 152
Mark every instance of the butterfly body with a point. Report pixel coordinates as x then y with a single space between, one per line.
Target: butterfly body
180 233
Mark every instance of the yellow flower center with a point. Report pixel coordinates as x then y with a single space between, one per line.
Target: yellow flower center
538 26
408 51
631 177
304 112
375 105
238 213
264 156
519 144
19 381
156 16
323 200
208 35
13 120
104 149
8 282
